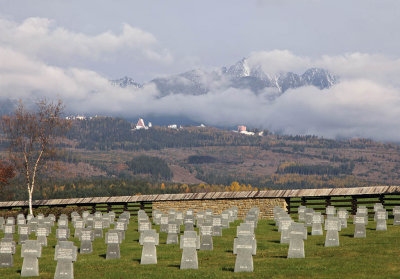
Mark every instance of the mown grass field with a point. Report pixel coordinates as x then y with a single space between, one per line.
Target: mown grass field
377 256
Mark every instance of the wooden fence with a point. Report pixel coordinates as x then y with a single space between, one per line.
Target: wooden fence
349 198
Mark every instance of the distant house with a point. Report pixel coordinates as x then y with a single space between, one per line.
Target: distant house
173 126
242 129
140 125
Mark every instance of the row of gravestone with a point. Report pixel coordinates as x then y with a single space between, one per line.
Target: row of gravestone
295 233
86 228
244 246
209 225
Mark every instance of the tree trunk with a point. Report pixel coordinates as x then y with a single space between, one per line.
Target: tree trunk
30 202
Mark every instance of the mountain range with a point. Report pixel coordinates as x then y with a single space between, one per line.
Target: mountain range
240 75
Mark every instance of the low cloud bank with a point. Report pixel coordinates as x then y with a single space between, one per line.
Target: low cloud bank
365 103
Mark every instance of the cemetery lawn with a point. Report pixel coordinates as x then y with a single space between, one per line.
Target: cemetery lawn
377 256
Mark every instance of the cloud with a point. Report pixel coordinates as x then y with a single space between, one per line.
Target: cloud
43 39
366 103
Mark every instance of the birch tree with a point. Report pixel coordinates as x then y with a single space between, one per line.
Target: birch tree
32 135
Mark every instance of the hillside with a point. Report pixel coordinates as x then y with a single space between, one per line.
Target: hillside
105 156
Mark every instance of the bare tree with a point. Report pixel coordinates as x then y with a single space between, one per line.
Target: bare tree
32 136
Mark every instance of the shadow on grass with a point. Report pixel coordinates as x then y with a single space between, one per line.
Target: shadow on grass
103 255
228 269
348 235
279 257
229 251
19 271
275 241
174 265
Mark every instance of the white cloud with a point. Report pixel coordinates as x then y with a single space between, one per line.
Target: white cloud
43 39
366 103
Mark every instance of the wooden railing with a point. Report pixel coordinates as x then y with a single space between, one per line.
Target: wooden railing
348 198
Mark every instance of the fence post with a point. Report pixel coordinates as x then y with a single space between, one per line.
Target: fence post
327 201
303 201
288 205
354 205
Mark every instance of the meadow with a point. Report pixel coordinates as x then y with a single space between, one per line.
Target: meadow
376 256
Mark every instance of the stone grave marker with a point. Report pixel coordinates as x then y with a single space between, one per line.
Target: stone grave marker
179 218
113 240
41 234
173 230
149 241
200 218
144 226
10 221
308 215
317 221
23 232
31 250
296 243
164 223
78 225
217 225
2 223
86 237
9 231
62 234
381 216
32 223
189 242
245 230
157 217
343 215
7 250
396 216
378 206
189 222
65 255
106 221
121 227
206 240
330 211
301 211
359 228
98 228
89 221
225 219
244 257
332 234
284 225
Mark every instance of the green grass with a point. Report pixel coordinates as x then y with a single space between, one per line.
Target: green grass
373 257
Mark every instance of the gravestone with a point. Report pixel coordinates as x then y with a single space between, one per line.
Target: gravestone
2 223
189 243
330 211
149 241
225 219
62 234
296 243
332 234
31 250
41 234
78 225
301 211
284 225
23 232
33 224
98 228
396 216
86 237
359 228
173 230
121 227
317 220
65 255
9 231
10 221
381 216
217 225
113 240
206 240
245 229
244 258
157 217
144 226
343 215
189 223
308 216
63 222
7 250
164 223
